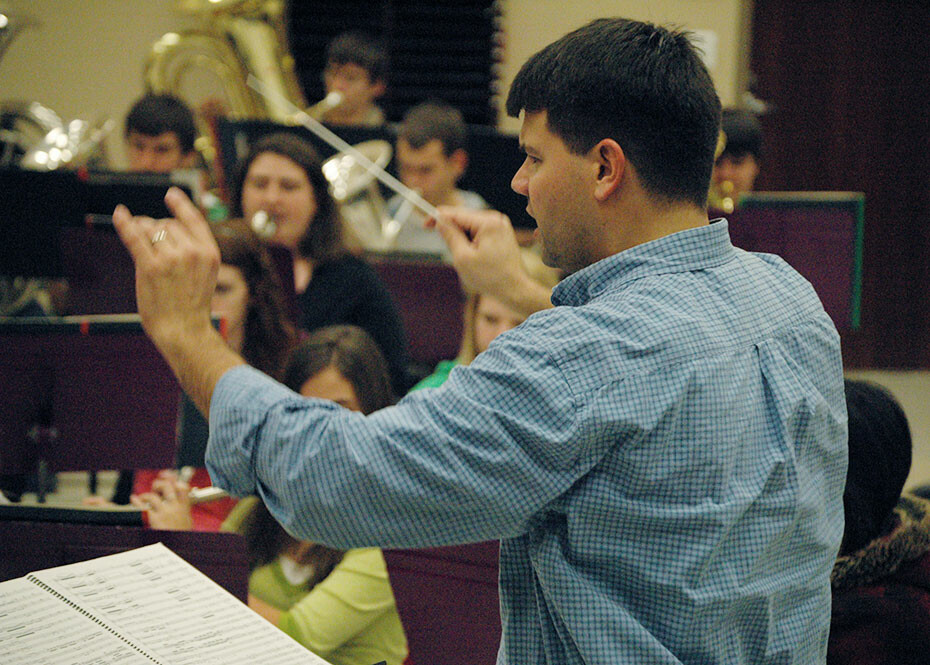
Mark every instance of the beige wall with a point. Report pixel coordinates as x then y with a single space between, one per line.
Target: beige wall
531 24
86 58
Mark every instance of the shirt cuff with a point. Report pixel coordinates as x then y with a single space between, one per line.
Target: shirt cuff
240 404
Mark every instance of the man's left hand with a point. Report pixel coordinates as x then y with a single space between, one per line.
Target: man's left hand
176 265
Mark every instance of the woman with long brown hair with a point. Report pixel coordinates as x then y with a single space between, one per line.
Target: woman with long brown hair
282 179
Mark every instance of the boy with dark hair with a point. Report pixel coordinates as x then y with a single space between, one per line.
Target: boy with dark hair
160 133
738 164
431 158
356 68
662 453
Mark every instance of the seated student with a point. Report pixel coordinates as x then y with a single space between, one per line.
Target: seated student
339 604
248 297
356 67
486 317
431 159
282 177
159 135
881 580
737 167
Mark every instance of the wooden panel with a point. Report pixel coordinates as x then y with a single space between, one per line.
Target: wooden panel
847 81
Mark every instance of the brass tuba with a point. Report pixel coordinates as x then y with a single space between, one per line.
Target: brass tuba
236 38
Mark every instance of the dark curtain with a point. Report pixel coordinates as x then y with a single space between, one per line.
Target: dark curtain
849 85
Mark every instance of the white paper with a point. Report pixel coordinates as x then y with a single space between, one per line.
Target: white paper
164 604
36 627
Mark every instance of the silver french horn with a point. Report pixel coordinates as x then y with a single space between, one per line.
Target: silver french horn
33 136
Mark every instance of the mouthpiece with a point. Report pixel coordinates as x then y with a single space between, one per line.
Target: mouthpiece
333 99
263 225
328 103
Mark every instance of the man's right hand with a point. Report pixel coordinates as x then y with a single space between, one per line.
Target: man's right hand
487 257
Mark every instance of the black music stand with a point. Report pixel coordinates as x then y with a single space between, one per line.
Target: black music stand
30 546
39 206
83 393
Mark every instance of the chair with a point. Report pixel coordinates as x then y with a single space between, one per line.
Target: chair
448 601
431 301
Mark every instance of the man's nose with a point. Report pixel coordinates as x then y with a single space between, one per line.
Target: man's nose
146 159
271 194
519 182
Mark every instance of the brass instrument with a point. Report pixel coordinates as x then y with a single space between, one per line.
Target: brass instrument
720 196
355 188
33 136
238 37
325 105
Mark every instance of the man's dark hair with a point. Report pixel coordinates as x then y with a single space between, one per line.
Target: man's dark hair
156 114
640 84
743 133
434 120
358 48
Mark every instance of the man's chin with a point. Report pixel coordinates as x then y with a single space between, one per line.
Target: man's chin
547 257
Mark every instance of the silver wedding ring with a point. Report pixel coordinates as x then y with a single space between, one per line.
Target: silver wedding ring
160 235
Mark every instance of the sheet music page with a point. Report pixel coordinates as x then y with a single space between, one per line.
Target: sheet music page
158 600
37 627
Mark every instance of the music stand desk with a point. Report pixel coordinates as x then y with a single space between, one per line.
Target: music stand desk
30 546
819 233
93 392
448 601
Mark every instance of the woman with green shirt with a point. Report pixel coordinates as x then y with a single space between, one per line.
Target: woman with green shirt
338 604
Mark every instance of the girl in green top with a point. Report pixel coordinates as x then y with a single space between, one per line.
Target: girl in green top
339 604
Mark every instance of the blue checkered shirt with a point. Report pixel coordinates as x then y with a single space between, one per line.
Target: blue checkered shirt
662 454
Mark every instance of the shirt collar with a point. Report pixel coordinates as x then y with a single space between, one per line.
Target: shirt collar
693 249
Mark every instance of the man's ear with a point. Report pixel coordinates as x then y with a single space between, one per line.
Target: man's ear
378 88
611 166
459 159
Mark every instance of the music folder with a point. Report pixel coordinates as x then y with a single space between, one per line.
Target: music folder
145 605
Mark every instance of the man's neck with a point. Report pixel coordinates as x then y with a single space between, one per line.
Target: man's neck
341 117
649 220
452 198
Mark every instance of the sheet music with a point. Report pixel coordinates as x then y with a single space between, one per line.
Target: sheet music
37 627
161 602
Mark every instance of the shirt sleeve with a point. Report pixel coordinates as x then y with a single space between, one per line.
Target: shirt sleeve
475 459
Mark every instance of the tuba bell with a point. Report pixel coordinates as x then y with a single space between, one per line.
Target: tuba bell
237 37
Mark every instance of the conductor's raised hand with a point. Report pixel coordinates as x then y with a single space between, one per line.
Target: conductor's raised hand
486 255
176 264
484 248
